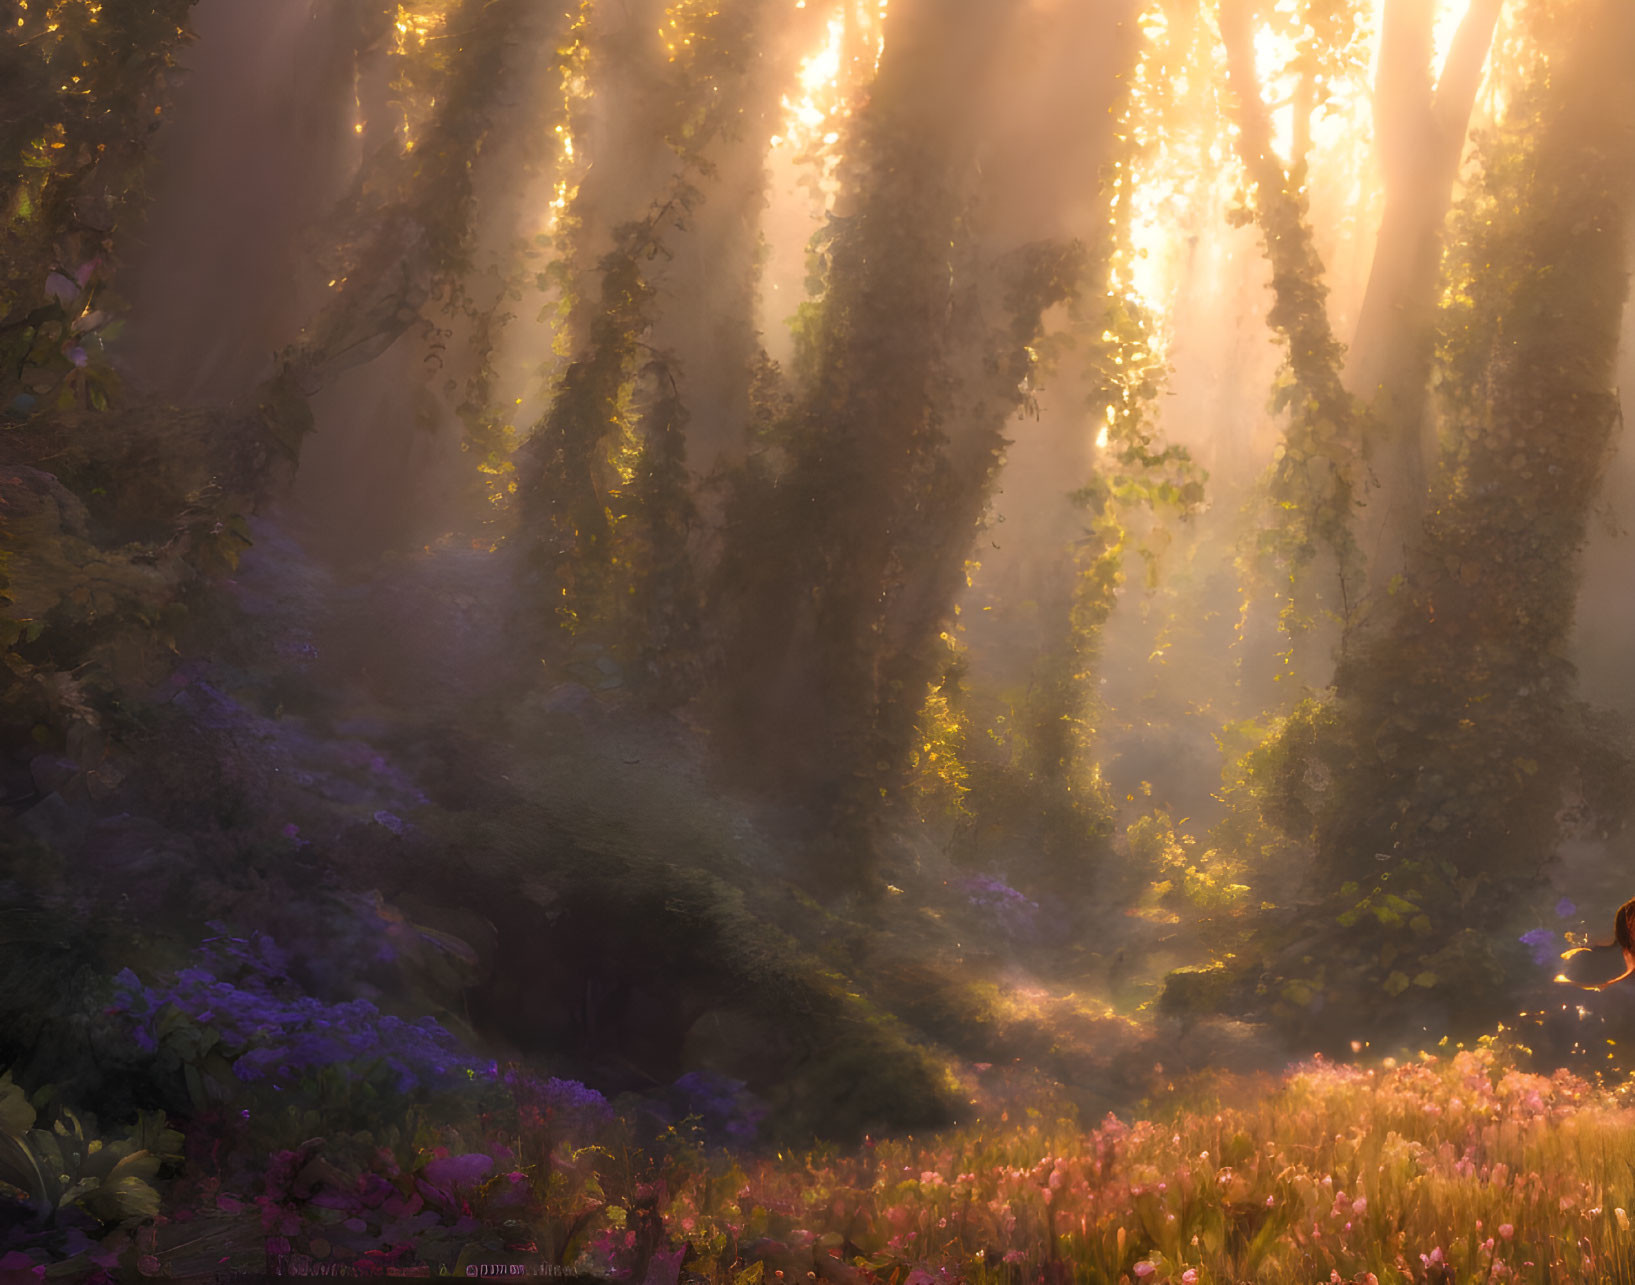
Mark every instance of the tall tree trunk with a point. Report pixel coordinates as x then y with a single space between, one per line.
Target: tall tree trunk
660 135
872 433
1454 729
842 568
1421 136
419 235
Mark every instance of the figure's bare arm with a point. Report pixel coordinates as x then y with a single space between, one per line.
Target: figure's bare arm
1629 968
1629 971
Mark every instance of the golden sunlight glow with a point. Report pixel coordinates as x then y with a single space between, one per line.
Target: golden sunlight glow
682 21
819 93
1278 58
1275 53
1183 179
573 90
1178 192
829 80
1448 17
804 154
823 68
1172 190
416 26
562 194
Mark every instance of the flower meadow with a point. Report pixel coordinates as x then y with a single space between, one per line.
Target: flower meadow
1456 1168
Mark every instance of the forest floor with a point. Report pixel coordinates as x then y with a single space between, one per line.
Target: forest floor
340 822
411 664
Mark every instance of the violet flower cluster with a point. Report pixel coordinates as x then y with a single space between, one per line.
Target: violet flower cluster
726 1112
1014 913
270 1033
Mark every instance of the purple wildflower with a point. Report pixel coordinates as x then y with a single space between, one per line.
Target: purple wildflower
1544 944
1015 914
275 1038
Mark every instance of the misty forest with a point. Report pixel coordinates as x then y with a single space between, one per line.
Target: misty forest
887 642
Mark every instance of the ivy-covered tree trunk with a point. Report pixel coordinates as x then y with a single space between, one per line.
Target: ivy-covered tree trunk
1452 739
1316 476
607 502
411 215
810 545
847 544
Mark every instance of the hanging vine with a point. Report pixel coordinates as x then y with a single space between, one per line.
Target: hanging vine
1315 480
605 510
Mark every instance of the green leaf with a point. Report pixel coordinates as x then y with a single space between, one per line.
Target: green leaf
16 1115
153 1135
123 1199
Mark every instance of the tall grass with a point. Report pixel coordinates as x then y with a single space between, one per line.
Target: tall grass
1451 1169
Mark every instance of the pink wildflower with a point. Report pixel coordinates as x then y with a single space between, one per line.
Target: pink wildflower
1506 1231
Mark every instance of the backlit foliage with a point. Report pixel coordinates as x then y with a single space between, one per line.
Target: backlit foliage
607 510
82 87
